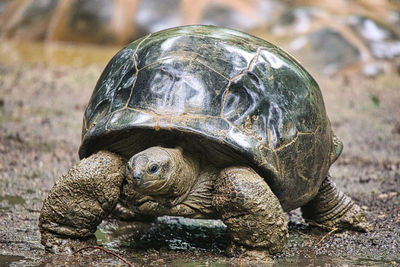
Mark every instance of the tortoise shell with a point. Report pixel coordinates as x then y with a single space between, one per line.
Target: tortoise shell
238 98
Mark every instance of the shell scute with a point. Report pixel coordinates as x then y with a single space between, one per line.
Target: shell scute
178 87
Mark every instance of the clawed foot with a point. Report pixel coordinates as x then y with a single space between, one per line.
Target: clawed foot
60 245
354 219
331 210
249 254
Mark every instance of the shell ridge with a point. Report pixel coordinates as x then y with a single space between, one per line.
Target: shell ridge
176 56
298 133
136 67
243 72
133 85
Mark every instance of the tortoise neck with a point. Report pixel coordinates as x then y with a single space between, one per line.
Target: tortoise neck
186 174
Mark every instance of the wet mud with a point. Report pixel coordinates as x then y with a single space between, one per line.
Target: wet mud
41 109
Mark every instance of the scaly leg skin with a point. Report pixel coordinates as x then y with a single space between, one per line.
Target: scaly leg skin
252 213
79 201
331 209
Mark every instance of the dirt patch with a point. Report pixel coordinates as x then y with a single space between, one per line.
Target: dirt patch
41 109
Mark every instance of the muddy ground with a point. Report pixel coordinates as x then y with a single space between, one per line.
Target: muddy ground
41 108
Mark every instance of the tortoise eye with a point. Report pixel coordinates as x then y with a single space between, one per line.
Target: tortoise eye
153 168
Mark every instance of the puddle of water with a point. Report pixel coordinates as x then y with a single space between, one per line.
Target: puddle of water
13 200
324 260
119 236
6 260
378 262
55 53
313 261
185 263
320 260
101 237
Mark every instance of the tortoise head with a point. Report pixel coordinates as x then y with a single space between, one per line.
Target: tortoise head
160 171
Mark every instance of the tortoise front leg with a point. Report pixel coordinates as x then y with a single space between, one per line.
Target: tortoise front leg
79 201
251 211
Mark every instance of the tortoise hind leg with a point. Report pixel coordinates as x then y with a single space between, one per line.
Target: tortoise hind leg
252 213
331 208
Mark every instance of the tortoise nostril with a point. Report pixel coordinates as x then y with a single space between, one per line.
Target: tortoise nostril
137 177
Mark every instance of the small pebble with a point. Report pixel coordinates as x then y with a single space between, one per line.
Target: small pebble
382 196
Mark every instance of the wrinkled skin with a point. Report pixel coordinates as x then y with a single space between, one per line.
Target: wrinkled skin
332 209
79 201
170 181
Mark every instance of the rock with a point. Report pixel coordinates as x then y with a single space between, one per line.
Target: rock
242 17
155 15
97 21
383 42
90 16
297 20
382 196
225 16
329 51
28 22
83 21
332 40
178 233
372 70
394 19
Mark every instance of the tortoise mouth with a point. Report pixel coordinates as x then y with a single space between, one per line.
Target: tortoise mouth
141 185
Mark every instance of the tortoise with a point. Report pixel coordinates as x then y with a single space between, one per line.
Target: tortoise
202 122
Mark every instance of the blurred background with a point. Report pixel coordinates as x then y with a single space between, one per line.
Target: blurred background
332 35
53 51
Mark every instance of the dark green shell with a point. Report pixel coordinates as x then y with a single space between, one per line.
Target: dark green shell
229 93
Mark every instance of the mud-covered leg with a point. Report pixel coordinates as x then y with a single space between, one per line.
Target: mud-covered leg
251 211
79 201
331 209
